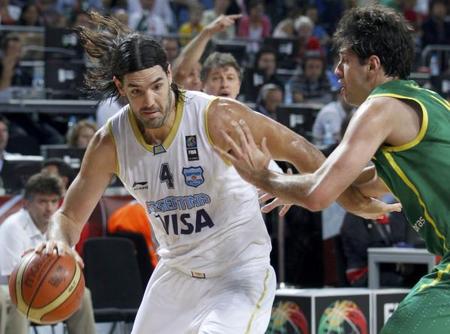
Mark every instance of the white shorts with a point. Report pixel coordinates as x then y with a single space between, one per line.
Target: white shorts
240 301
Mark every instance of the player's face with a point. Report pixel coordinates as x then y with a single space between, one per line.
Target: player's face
41 207
149 95
223 81
354 78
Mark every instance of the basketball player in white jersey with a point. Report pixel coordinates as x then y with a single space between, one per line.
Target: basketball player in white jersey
214 274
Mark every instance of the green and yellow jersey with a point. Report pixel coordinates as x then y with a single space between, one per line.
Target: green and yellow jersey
418 172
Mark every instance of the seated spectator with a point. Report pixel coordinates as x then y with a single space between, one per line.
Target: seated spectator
133 218
27 228
313 85
191 28
11 73
81 134
270 97
9 14
436 29
328 123
147 20
172 48
255 25
263 72
285 28
108 108
220 8
359 234
161 8
186 66
29 15
318 32
61 169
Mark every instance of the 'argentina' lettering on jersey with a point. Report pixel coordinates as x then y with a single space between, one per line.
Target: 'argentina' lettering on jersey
181 223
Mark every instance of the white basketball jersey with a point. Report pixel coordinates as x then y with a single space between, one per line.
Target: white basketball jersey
204 216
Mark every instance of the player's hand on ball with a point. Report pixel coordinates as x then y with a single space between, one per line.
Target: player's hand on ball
60 248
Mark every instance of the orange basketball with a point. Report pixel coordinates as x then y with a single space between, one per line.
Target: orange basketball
47 288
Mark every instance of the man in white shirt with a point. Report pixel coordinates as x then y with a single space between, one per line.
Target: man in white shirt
24 230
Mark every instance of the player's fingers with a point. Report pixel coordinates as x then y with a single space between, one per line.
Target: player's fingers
241 135
264 146
40 248
234 16
248 134
224 154
265 197
284 210
236 149
270 206
79 259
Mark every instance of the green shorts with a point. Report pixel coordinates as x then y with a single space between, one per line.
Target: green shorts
426 309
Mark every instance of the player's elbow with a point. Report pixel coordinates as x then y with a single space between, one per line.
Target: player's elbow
317 201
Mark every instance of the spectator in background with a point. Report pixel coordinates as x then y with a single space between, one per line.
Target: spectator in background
221 75
358 234
121 15
147 20
327 128
263 72
59 168
23 231
161 8
270 97
80 135
9 14
286 28
187 63
313 85
29 15
172 48
107 109
11 73
209 15
190 29
133 218
256 25
436 30
318 32
304 29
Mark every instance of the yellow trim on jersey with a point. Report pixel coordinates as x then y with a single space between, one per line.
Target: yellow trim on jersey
258 303
111 133
423 128
445 103
411 186
438 278
173 131
208 135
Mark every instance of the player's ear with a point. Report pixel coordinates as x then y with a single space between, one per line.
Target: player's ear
374 63
169 73
119 86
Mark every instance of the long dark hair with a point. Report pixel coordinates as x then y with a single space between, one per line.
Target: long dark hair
114 51
380 31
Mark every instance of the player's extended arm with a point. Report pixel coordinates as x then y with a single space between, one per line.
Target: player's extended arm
84 193
193 51
282 144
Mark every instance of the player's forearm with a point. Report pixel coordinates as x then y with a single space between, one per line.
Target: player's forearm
295 189
64 228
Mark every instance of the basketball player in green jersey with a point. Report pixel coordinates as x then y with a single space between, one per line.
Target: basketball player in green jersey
403 129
